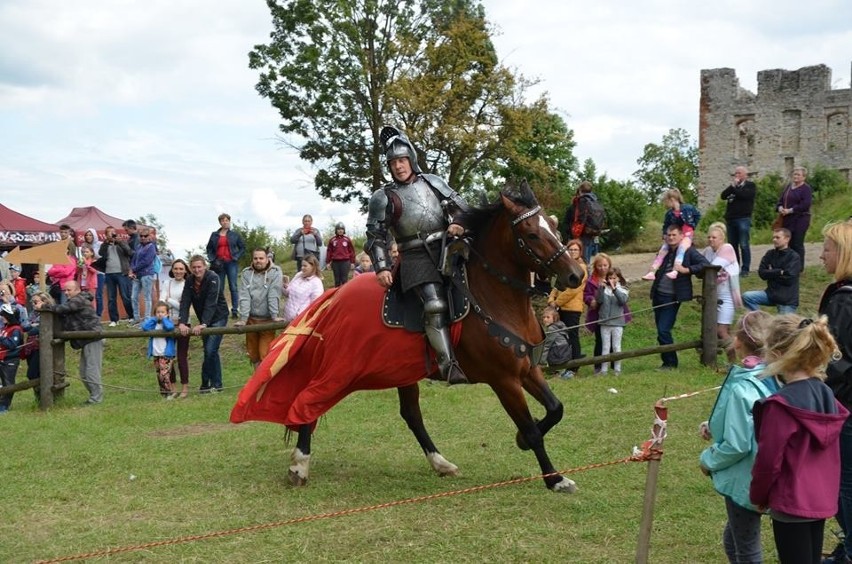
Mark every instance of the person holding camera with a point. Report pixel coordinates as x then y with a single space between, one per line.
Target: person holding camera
117 255
738 210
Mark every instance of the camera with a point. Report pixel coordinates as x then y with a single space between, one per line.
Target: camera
115 235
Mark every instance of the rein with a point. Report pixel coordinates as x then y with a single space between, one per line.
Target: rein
504 336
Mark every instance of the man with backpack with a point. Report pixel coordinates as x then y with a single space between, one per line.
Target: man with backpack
585 219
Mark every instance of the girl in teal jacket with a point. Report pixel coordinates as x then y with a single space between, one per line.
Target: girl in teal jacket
729 459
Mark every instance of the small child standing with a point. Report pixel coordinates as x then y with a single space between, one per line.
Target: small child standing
612 299
162 349
796 472
728 461
365 264
685 216
557 347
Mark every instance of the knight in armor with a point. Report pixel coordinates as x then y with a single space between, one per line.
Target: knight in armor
416 210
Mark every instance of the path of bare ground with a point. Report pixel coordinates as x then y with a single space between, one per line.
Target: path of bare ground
635 265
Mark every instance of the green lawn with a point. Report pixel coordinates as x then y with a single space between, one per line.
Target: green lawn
138 470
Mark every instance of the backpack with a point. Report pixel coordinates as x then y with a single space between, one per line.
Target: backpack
589 217
157 265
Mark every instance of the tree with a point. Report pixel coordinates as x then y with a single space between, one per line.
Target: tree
151 221
338 71
543 153
671 164
259 238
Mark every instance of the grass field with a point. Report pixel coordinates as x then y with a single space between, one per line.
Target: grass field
138 470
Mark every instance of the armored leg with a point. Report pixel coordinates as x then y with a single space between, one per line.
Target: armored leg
437 332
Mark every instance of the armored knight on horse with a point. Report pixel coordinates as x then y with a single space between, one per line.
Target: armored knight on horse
418 210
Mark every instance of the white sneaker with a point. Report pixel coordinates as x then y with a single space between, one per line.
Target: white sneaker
113 324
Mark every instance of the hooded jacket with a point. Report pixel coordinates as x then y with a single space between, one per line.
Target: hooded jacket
731 456
260 292
797 467
78 315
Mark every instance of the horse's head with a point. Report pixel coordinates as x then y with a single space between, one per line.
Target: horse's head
537 238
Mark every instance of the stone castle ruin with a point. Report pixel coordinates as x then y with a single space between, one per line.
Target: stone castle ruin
795 119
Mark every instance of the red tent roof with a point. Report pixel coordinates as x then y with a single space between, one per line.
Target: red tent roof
19 229
81 219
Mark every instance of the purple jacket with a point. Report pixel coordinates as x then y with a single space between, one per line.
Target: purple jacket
800 200
592 315
797 468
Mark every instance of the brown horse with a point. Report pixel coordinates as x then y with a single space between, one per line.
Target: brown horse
340 344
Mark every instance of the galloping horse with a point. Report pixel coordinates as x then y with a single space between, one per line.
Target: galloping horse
340 344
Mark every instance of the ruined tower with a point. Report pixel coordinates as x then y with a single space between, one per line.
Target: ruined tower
795 119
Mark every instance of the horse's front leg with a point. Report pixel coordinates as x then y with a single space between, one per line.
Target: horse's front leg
512 397
300 458
537 387
409 410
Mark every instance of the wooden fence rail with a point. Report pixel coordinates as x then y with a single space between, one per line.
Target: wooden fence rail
52 354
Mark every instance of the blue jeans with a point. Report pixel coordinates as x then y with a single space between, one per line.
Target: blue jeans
664 318
99 296
753 299
146 284
118 283
211 367
739 232
590 248
230 270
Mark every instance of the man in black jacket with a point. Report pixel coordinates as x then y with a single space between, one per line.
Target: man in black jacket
780 267
204 292
667 294
740 197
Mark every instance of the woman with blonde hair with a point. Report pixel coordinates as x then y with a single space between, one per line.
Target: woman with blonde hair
720 253
796 473
836 304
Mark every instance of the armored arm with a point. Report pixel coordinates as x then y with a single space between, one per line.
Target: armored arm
456 206
377 231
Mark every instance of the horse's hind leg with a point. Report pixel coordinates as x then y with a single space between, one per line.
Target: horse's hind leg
409 410
512 398
300 458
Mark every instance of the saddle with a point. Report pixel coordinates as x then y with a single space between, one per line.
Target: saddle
404 310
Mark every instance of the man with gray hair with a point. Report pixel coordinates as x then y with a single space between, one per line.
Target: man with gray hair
740 205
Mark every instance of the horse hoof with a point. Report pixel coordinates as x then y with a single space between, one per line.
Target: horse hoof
565 486
441 465
296 480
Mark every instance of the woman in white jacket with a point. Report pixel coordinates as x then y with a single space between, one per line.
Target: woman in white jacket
171 289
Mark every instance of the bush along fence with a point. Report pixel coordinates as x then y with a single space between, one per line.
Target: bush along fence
53 340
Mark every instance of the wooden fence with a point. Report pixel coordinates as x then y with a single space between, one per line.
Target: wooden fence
53 340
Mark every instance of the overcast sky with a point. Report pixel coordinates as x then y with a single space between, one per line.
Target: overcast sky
149 107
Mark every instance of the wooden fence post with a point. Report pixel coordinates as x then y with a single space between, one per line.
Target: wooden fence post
45 359
709 316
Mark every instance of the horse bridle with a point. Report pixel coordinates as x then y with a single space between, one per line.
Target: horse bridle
519 240
506 337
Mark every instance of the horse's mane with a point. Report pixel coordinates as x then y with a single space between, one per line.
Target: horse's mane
477 218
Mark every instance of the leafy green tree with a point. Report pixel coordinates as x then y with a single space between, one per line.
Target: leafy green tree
338 71
625 207
673 163
543 153
258 237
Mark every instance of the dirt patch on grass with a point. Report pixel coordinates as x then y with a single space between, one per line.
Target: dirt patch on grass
193 429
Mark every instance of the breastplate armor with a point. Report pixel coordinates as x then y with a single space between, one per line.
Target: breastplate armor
421 212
